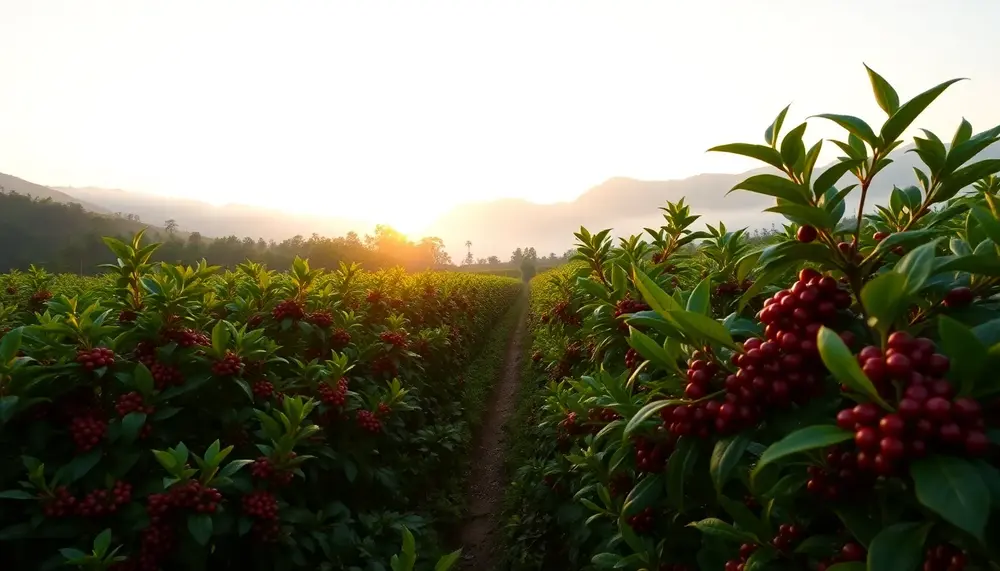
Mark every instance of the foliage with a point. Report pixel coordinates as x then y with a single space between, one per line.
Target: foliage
183 417
820 398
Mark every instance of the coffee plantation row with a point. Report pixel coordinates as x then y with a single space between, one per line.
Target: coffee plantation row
170 417
829 401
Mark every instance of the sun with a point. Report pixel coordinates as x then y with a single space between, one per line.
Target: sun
409 219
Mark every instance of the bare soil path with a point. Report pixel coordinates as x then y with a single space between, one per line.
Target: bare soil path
485 485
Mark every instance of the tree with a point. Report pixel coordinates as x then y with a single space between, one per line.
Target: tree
516 257
493 261
170 226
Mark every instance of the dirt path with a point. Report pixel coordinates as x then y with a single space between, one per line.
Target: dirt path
485 485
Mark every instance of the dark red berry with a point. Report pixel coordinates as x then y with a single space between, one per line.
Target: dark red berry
806 233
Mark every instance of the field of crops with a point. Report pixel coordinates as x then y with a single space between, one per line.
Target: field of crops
167 417
827 401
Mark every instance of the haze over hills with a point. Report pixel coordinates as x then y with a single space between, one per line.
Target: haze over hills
495 228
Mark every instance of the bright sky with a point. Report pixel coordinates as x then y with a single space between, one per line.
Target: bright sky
397 111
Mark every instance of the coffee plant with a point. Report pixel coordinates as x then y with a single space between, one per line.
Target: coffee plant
826 400
176 417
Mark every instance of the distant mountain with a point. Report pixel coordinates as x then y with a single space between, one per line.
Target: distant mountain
216 221
498 227
627 206
21 186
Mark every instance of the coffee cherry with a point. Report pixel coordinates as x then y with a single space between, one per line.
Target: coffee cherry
938 408
806 233
866 438
958 297
879 236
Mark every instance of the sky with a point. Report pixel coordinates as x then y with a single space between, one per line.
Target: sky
396 111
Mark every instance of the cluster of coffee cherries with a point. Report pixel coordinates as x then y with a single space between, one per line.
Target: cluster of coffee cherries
570 425
187 338
384 365
563 312
229 365
190 495
652 456
731 288
340 338
88 430
105 502
133 402
746 550
11 290
840 477
628 306
397 339
334 395
263 469
321 319
643 521
288 309
788 535
40 298
632 359
851 552
60 504
927 417
368 421
262 389
95 358
262 506
127 316
944 557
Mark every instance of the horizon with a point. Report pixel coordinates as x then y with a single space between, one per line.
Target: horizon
392 114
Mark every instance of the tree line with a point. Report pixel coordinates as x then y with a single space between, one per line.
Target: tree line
66 238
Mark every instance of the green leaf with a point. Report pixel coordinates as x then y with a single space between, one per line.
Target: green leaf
726 456
905 239
645 412
102 543
792 149
17 495
650 350
72 554
885 95
801 214
143 380
776 186
832 175
855 126
884 298
899 547
743 517
678 468
220 338
653 294
448 561
700 299
200 526
645 493
988 223
908 112
717 528
10 344
774 131
79 467
991 477
132 424
953 489
844 365
967 355
759 152
917 266
700 326
808 438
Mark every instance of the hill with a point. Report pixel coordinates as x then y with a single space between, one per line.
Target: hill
497 227
10 183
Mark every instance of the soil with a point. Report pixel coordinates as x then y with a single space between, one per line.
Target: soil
485 485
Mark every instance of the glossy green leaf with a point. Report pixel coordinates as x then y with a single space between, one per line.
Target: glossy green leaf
679 467
653 294
701 297
726 456
829 178
853 125
772 133
759 152
792 149
884 298
899 547
906 239
953 489
776 186
885 95
131 425
717 528
917 266
644 494
908 112
646 412
844 365
801 214
967 355
650 350
808 438
698 326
